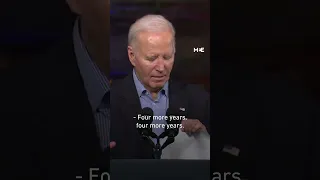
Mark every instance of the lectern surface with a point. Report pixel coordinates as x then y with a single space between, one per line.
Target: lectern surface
154 169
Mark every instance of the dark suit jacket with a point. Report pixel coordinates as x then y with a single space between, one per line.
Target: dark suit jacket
126 105
49 129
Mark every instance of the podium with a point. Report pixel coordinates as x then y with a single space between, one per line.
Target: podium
159 169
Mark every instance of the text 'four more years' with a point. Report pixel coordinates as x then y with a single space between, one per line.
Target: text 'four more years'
154 119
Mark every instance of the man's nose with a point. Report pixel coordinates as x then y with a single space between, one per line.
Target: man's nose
160 65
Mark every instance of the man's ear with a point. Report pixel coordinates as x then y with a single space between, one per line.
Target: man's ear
131 56
75 6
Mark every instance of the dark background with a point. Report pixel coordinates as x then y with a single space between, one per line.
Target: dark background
266 38
263 36
30 28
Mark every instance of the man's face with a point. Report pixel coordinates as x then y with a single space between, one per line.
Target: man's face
152 57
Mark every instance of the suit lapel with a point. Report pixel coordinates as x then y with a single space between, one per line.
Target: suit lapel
178 100
130 96
130 108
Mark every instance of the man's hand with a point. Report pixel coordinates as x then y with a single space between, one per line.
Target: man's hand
192 126
112 144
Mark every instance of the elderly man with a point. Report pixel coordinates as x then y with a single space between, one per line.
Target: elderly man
61 129
151 51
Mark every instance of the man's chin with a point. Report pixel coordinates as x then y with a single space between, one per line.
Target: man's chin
157 85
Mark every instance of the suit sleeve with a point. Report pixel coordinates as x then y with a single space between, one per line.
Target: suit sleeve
200 105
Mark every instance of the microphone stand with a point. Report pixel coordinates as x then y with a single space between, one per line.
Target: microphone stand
147 138
157 148
169 141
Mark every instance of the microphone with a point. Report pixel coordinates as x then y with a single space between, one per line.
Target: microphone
174 119
172 122
173 132
145 120
144 130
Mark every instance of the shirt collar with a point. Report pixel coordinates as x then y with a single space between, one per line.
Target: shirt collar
95 82
141 89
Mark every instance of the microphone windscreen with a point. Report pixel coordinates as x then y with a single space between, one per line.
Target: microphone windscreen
173 121
170 112
147 114
147 111
175 116
144 120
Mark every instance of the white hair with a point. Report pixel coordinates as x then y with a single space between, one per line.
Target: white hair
150 23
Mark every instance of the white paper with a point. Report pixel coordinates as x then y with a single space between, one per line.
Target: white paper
196 146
